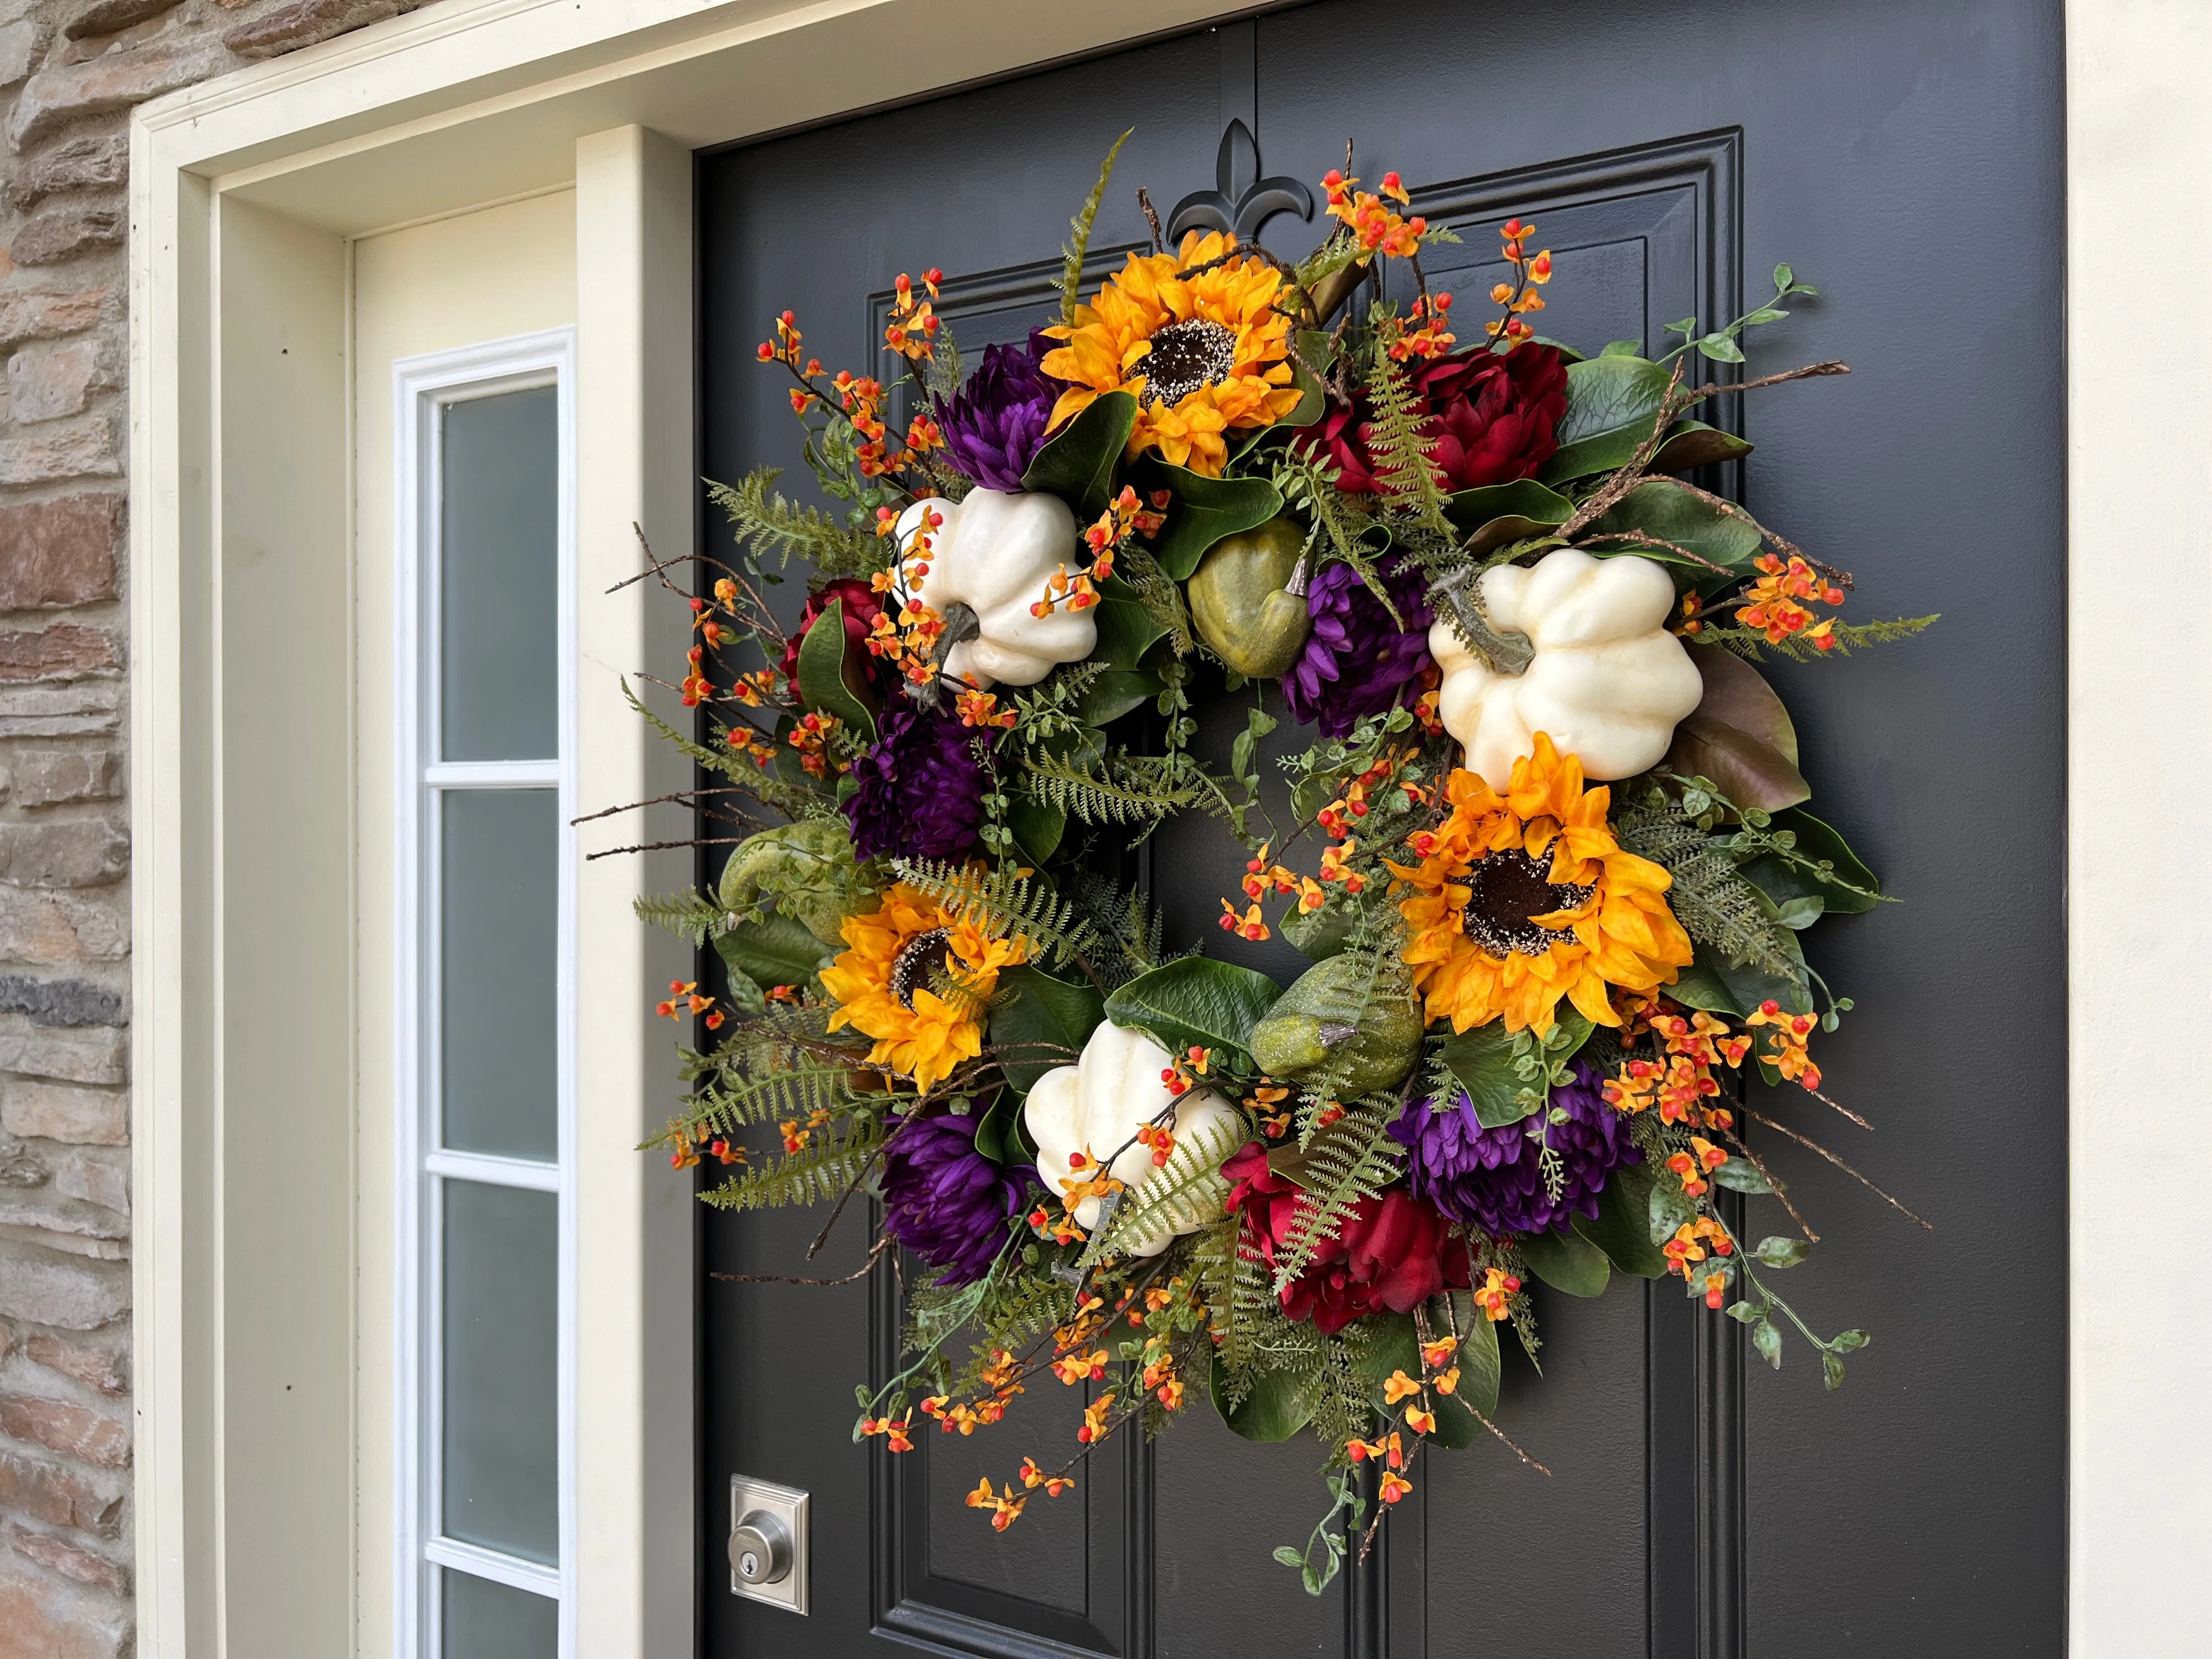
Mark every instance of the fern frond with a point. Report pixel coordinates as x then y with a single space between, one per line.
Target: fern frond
1751 643
1344 1412
1121 788
1353 1162
1710 897
691 915
792 1091
1189 1190
821 1169
763 787
1405 462
1159 594
764 522
1078 243
1004 902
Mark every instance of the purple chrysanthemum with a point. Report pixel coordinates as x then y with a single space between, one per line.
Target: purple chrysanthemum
1493 1177
995 424
945 1201
1356 661
920 792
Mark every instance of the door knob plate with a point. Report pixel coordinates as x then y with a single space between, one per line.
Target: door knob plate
768 1543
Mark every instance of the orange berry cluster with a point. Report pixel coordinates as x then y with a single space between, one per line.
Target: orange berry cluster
1518 297
1775 603
1376 227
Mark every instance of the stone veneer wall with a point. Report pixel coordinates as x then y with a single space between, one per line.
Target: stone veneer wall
70 74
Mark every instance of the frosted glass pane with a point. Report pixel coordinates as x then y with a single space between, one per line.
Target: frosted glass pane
484 1621
498 589
499 931
501 1331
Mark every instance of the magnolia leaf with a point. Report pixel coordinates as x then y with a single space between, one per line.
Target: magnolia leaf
1737 694
1204 510
774 950
1393 1344
1194 1002
1612 402
1076 464
1003 1136
1566 1261
1784 881
823 681
1691 444
1043 1026
1114 693
1478 1357
1523 498
1662 509
1748 987
1623 1227
1320 934
1748 771
1481 1057
1280 1403
1623 348
1037 828
1699 986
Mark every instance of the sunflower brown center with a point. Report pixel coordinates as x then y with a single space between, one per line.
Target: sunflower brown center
910 969
1186 356
1508 887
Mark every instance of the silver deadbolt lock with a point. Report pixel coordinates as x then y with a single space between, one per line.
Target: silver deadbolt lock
768 1543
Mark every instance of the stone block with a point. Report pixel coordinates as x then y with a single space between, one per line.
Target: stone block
88 1176
57 552
66 1293
54 97
58 927
42 314
46 382
55 1111
71 1056
81 855
71 1560
60 1497
63 1426
37 1623
54 233
60 1002
304 22
81 1230
86 450
102 1365
96 17
60 652
60 711
18 44
50 777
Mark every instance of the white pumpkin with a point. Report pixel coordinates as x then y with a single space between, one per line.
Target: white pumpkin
1608 682
1099 1102
994 553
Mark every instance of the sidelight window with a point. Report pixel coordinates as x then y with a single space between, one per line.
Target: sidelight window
486 1156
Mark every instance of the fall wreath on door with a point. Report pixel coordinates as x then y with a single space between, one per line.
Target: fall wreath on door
1549 853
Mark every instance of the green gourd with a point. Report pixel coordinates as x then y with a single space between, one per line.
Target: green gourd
807 868
1240 599
1318 1025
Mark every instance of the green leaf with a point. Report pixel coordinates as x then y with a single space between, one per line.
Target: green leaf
1664 508
822 679
1690 444
1313 396
1670 1208
1287 1557
1076 465
1798 914
1699 986
1750 986
1003 1136
1392 1345
1750 773
1044 1010
1196 1002
1623 1226
1204 511
1768 1342
1279 1404
1127 626
1782 881
771 951
1612 402
1478 1362
1037 828
1623 348
1741 1175
1481 1057
1114 693
1832 1370
1567 1262
1783 277
1737 694
1720 348
1320 934
1523 498
1744 1312
1779 1250
1850 1341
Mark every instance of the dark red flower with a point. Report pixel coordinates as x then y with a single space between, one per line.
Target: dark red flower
862 607
1490 416
1392 1254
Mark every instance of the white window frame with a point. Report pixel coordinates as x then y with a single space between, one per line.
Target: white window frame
422 388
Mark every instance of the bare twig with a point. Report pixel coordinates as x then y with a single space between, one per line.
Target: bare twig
1759 1165
882 1244
663 846
681 794
1152 218
1781 1129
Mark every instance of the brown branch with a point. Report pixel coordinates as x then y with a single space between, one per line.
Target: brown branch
1645 539
1714 388
663 846
681 794
882 1244
1152 218
1780 1128
1615 489
1768 1174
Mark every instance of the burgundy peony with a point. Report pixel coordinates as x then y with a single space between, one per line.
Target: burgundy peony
862 606
921 786
1490 416
1393 1253
1492 1178
945 1201
994 426
1356 661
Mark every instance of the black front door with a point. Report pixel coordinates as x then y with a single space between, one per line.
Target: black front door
1907 156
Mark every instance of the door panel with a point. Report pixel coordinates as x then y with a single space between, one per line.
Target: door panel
1907 157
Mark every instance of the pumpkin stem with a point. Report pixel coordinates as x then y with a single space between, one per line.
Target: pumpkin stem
961 624
1507 653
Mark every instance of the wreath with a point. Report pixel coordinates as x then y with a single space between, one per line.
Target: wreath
1548 852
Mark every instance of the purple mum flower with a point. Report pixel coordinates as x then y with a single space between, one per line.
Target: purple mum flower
1356 661
1491 1177
945 1201
920 792
995 425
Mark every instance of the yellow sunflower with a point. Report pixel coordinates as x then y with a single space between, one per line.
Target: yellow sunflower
1206 354
882 985
1496 931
